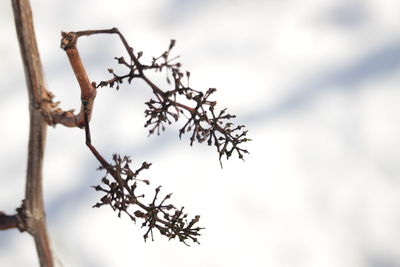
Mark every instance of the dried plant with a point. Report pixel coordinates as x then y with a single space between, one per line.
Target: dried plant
120 184
120 194
203 121
164 108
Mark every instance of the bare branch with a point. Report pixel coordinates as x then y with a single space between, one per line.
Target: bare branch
204 123
33 206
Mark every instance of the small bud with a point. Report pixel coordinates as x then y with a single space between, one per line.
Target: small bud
146 165
139 214
172 44
97 188
121 60
105 181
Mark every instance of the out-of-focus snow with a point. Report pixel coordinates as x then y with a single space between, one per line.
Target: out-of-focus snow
316 83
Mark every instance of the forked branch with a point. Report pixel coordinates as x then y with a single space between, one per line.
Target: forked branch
203 121
121 193
119 185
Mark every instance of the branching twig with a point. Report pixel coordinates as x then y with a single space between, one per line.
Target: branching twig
121 193
203 121
121 196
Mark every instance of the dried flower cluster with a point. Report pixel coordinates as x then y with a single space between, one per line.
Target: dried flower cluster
120 195
119 184
204 123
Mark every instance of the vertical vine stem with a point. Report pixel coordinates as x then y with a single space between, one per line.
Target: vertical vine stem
32 211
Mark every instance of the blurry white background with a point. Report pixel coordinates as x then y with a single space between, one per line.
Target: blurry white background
317 84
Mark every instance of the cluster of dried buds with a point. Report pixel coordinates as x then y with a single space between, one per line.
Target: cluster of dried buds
120 194
203 121
204 124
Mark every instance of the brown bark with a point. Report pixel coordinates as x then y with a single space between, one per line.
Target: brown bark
32 211
8 221
88 91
